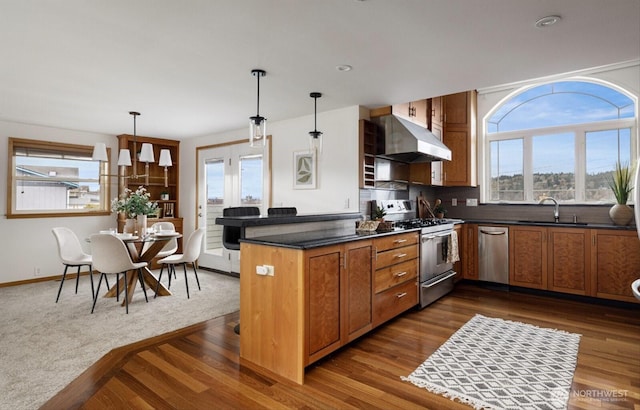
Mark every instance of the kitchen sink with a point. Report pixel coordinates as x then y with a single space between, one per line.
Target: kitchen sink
553 223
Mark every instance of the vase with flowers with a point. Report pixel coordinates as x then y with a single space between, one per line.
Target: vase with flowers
135 204
620 183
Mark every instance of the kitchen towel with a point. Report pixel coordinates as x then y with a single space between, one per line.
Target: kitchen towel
453 255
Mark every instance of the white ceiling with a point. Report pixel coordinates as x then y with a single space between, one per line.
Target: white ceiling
186 65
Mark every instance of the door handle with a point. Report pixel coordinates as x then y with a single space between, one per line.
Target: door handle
493 233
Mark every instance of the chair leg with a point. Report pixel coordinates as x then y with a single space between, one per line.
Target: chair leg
91 278
95 296
126 293
186 282
196 273
144 289
78 278
62 281
118 287
160 278
171 268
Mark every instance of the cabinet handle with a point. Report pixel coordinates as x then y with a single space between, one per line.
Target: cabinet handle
401 295
400 274
401 255
399 241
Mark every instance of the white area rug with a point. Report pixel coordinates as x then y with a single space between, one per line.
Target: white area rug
498 364
44 346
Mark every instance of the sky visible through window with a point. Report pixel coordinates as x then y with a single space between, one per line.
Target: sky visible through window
559 104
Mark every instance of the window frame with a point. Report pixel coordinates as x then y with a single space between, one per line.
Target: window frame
16 144
579 130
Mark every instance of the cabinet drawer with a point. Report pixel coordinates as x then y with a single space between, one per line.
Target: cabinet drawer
394 301
393 275
395 256
396 241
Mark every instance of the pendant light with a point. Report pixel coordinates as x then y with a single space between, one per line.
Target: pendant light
316 140
258 124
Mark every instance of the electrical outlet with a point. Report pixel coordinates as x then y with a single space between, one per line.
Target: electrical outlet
472 202
36 271
454 201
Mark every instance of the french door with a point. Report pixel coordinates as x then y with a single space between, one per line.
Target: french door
228 175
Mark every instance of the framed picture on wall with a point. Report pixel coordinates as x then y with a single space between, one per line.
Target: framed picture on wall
304 169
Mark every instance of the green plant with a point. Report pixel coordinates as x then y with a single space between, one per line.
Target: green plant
134 203
379 213
439 208
620 182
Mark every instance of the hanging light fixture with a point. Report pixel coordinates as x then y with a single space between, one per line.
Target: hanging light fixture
124 156
316 141
258 124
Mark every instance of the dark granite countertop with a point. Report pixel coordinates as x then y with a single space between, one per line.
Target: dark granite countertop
308 240
551 223
244 221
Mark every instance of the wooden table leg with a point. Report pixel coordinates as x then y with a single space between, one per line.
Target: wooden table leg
151 281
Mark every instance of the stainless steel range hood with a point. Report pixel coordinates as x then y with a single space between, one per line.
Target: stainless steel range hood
409 142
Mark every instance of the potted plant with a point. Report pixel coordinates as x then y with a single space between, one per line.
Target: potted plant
379 214
439 209
135 204
620 183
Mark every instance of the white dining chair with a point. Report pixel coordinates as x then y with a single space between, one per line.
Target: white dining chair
111 256
72 255
191 254
172 244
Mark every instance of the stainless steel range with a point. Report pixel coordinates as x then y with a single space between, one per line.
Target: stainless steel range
436 274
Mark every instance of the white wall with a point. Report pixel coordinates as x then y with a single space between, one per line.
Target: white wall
28 244
337 164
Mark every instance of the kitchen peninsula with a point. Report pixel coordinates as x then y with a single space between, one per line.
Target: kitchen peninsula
306 292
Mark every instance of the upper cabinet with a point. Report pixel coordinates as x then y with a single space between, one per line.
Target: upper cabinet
166 194
415 111
459 134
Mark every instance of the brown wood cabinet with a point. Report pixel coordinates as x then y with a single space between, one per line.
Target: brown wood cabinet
396 275
569 256
339 296
170 208
459 134
319 299
615 263
589 262
470 252
415 111
528 256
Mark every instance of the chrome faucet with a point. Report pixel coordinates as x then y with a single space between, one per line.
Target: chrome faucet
556 211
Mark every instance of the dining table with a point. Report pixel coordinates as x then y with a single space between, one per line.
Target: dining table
141 253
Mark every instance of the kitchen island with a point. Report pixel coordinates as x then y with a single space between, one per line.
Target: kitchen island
304 295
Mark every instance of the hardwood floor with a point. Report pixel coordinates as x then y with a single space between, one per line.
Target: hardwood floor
197 368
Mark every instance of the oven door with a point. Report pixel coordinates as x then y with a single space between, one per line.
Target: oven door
433 255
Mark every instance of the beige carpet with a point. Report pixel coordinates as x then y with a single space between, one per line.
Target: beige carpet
44 345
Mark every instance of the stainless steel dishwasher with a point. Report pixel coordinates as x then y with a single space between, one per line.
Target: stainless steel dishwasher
493 254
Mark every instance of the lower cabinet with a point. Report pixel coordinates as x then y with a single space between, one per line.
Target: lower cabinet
396 275
528 256
589 262
338 296
615 264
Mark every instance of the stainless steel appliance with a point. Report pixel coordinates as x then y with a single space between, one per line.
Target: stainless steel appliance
436 274
493 254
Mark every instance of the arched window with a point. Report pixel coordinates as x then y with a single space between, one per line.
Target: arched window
560 139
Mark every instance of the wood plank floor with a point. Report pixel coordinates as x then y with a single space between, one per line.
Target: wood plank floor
197 368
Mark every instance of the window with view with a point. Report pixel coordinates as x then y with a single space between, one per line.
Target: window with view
561 139
53 179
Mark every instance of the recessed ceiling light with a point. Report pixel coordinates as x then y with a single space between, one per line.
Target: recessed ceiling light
547 21
344 67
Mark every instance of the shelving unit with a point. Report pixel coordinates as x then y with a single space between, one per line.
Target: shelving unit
170 208
371 144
